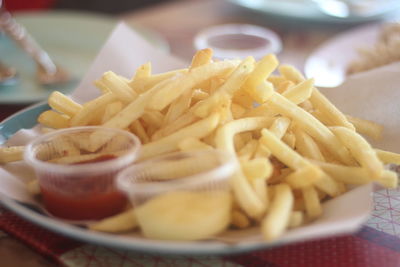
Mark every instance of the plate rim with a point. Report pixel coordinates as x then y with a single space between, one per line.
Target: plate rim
262 7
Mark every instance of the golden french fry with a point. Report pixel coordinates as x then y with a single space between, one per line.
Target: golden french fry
388 157
277 218
283 152
134 110
306 146
290 139
296 219
239 219
177 107
170 143
91 109
248 150
357 175
360 149
224 137
11 153
101 86
122 222
366 127
118 87
280 126
312 126
137 128
300 92
143 72
260 168
262 71
52 119
311 202
191 143
256 85
328 110
231 85
291 73
201 57
304 177
63 104
173 90
110 110
143 84
183 121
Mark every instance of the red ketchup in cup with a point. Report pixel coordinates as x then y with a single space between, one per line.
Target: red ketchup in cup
76 170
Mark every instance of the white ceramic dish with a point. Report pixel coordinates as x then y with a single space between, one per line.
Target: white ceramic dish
328 63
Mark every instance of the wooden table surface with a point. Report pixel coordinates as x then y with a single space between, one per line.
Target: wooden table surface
178 22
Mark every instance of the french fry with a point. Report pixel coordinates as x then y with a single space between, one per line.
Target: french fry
137 128
201 57
277 219
256 85
63 104
360 149
239 220
143 84
311 202
248 150
52 119
170 92
110 110
118 87
90 110
300 92
280 126
388 157
122 222
224 137
306 146
143 72
312 126
191 143
357 175
296 219
11 153
290 139
169 143
366 127
231 85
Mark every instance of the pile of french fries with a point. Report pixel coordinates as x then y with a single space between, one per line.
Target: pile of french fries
294 147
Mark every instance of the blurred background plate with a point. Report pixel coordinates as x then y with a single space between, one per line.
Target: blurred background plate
328 63
72 39
307 10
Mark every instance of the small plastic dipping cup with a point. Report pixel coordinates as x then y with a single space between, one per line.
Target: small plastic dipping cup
181 185
238 41
77 167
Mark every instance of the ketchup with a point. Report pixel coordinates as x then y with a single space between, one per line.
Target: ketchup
84 198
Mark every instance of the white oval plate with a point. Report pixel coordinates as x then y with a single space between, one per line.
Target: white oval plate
328 63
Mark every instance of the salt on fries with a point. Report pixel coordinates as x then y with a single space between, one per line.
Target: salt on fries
295 149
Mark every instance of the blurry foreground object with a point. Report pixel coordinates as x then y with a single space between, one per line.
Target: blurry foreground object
47 72
386 50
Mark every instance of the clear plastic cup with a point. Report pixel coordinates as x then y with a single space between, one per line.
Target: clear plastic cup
166 189
76 169
238 41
